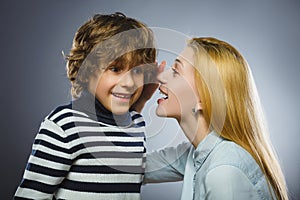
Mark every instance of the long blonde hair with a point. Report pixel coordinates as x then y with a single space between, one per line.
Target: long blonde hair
231 105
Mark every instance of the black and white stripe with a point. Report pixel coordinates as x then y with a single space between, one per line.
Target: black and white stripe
76 157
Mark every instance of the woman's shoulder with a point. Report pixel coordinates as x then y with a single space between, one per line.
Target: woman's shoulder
230 154
231 165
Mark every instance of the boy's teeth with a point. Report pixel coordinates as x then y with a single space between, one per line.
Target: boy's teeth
122 95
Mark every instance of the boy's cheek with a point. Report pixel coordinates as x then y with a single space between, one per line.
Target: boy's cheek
150 74
137 95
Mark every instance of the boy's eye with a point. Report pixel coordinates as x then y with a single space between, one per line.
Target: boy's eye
115 69
137 70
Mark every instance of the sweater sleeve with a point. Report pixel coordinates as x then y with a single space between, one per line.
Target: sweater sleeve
166 165
48 164
228 182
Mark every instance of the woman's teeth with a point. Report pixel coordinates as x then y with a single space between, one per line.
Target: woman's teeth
165 96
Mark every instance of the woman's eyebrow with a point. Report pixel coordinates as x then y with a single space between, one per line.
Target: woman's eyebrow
179 61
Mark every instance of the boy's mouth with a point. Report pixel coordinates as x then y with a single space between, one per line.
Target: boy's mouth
122 95
165 95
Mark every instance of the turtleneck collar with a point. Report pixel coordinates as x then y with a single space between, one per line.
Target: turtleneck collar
90 105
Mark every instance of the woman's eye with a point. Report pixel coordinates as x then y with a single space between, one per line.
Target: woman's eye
137 70
174 71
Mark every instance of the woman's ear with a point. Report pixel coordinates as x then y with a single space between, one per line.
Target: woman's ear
198 106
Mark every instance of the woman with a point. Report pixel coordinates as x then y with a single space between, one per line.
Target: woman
209 90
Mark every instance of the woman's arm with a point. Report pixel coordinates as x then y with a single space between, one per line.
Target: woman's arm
167 164
150 86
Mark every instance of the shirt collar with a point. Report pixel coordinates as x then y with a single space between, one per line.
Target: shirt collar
90 105
205 147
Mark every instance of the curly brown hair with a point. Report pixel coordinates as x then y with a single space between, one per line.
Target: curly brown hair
105 39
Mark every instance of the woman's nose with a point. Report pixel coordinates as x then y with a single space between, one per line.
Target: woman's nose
163 76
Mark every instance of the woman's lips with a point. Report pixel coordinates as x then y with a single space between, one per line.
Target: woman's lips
163 93
160 100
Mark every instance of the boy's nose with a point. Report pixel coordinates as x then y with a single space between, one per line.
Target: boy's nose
127 80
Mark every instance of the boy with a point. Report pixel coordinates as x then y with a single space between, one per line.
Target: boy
93 148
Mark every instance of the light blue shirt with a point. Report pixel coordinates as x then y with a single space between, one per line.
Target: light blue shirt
217 169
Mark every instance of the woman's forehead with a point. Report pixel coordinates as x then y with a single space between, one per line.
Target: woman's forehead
187 56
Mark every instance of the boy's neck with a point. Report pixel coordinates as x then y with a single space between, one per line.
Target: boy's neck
89 104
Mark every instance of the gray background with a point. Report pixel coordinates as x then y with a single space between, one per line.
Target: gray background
33 77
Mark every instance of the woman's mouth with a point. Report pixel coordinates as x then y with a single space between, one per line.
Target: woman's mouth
165 96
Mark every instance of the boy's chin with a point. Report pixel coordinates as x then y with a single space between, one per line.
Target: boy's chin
117 110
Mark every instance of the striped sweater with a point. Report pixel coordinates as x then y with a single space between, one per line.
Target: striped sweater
85 152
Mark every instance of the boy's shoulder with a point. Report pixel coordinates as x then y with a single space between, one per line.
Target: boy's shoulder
63 111
135 115
137 118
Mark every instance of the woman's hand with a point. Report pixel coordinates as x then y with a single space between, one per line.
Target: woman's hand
150 86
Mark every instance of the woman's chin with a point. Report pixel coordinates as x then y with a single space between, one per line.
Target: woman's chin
161 112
